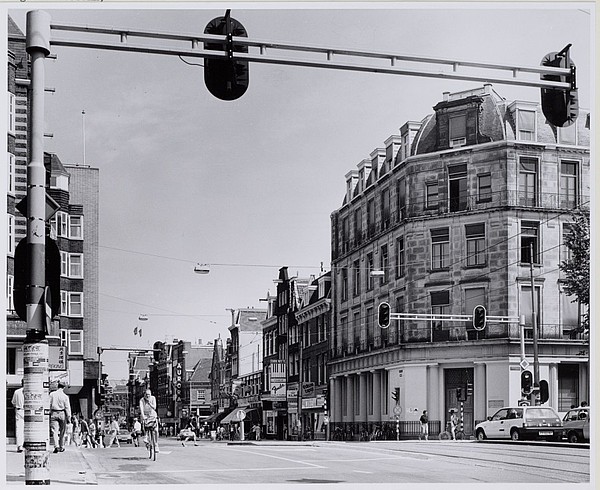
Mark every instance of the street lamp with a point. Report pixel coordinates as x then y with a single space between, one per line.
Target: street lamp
202 269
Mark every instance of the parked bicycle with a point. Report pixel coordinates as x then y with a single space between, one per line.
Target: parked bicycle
459 435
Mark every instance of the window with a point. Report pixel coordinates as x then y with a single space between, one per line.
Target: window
525 125
358 226
458 130
371 217
71 304
440 248
64 264
10 235
400 258
344 284
475 235
530 242
356 328
565 251
10 281
12 113
528 181
370 268
484 186
385 209
356 268
385 264
569 311
61 224
401 193
473 298
431 195
369 322
345 233
568 135
76 227
76 265
11 360
440 305
568 184
75 342
457 187
525 305
10 184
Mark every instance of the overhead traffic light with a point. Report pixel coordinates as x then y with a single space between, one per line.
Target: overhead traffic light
226 78
560 106
479 317
383 315
526 382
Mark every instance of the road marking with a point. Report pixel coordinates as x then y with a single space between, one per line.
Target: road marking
207 470
367 472
279 457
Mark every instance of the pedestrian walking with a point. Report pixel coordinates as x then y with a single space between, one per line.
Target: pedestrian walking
136 433
68 432
424 420
112 435
231 432
84 430
18 401
60 412
256 430
93 429
453 423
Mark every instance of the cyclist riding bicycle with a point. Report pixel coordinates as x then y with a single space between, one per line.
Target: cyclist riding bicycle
149 416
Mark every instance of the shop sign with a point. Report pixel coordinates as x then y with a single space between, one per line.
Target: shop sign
308 390
178 379
320 400
57 358
309 403
292 392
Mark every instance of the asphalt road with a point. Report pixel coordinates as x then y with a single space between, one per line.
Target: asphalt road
341 462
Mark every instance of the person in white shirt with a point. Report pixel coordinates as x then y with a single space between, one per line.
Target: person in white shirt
136 432
60 412
148 414
18 401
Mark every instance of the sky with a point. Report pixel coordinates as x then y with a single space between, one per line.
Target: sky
249 185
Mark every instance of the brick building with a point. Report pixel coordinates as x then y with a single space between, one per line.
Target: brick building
442 219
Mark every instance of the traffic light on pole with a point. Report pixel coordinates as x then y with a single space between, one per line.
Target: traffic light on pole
526 382
479 317
396 395
544 392
383 315
560 106
226 78
101 396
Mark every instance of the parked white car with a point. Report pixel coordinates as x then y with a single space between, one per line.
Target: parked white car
519 423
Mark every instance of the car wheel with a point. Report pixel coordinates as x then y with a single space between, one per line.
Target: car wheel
573 437
514 435
481 435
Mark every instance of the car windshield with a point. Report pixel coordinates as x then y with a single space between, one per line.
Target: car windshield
539 413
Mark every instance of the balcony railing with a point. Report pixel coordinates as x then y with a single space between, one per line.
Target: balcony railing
543 200
413 333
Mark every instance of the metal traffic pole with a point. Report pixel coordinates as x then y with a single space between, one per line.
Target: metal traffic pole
35 348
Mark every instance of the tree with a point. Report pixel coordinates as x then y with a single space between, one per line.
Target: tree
577 267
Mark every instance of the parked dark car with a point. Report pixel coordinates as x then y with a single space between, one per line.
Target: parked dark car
577 424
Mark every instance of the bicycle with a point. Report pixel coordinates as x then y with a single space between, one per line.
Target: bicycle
459 435
150 427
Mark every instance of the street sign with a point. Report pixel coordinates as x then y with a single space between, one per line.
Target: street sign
397 410
240 415
524 364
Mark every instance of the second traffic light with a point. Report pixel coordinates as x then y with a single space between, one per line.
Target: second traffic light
560 106
479 317
526 382
384 315
226 78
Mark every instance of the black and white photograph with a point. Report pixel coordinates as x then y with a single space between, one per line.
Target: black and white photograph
299 243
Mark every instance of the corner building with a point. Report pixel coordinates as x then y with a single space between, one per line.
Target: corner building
448 216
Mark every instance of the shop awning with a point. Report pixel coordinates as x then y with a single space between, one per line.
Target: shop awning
232 417
214 418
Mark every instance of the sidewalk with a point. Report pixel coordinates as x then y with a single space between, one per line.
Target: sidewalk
68 467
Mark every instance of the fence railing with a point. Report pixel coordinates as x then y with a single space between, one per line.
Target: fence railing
381 431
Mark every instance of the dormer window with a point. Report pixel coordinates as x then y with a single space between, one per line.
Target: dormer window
526 125
458 130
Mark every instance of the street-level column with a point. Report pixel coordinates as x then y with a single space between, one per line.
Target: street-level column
362 397
377 416
434 398
337 399
349 415
479 392
553 385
